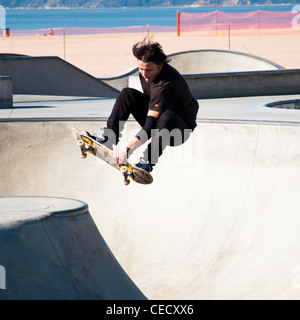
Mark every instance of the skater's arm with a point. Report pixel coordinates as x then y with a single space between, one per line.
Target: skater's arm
151 121
124 154
134 144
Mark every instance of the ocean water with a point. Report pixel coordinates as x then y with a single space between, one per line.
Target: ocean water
32 19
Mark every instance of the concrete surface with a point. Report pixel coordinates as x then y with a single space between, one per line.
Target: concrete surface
220 220
52 249
36 108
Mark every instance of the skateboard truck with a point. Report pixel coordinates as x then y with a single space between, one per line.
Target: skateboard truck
126 170
82 149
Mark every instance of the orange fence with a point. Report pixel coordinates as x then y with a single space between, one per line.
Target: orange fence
256 22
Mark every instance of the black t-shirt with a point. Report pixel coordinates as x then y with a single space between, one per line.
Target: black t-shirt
170 91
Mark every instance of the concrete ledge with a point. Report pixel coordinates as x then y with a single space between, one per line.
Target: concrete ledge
6 95
244 84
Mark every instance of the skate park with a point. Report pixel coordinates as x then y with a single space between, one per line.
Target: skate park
219 221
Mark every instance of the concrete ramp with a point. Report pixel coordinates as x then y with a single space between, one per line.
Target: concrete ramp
51 249
218 61
220 221
51 76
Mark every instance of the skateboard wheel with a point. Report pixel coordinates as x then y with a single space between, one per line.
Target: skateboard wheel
126 182
83 156
80 143
124 169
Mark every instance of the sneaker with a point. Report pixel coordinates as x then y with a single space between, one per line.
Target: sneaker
100 137
146 165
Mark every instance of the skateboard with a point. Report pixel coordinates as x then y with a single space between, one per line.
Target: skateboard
128 170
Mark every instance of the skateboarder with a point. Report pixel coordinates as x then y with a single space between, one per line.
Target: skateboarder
166 110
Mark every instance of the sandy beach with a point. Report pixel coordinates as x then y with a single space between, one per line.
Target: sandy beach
104 55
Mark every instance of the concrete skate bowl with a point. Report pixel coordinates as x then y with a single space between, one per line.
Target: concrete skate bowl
202 61
220 221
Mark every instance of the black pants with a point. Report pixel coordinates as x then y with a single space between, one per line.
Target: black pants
171 129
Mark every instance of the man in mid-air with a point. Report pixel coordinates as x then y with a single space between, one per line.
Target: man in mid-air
166 110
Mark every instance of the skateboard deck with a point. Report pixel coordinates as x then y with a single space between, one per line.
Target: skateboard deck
128 170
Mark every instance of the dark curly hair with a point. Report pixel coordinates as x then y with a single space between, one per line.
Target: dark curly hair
149 51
